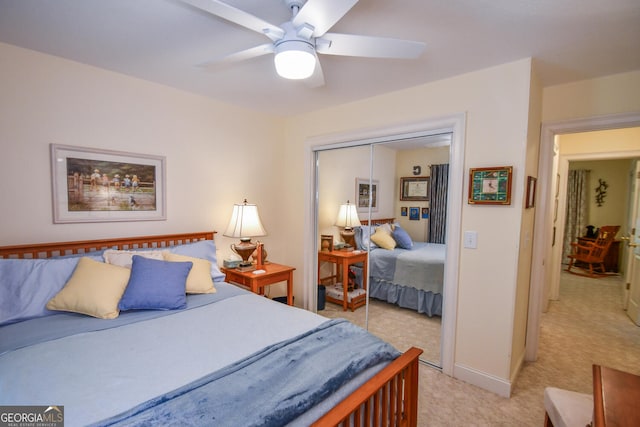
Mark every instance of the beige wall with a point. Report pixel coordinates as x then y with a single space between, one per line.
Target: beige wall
496 102
614 208
213 158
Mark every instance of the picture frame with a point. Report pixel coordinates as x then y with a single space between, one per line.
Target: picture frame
403 211
95 185
414 188
326 242
414 214
531 192
425 213
490 186
362 194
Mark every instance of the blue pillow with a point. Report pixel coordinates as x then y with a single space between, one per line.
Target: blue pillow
156 285
26 285
205 249
402 238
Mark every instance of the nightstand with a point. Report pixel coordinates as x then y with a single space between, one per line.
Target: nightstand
274 273
342 260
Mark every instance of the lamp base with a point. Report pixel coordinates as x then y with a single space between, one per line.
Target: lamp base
249 267
348 236
245 248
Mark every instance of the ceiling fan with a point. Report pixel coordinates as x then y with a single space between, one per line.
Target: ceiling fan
297 42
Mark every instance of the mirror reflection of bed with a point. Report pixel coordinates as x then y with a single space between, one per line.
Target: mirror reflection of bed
404 287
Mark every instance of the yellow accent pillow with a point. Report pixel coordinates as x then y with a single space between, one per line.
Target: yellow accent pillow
94 289
199 279
383 239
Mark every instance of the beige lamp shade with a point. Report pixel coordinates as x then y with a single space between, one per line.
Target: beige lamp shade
347 216
245 222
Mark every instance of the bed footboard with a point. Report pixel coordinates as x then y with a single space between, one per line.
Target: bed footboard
390 398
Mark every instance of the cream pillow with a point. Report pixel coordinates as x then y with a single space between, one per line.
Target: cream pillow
199 280
383 239
125 258
94 289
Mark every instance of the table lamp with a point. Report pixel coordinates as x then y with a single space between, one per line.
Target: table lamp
347 219
244 223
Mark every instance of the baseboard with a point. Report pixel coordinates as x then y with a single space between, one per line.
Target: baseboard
496 385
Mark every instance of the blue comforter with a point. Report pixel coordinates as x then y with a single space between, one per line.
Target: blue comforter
421 268
239 360
271 387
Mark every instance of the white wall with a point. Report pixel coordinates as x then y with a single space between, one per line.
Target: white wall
213 158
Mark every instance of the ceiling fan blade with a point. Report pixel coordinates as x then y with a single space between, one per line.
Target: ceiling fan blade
239 56
367 46
322 14
239 17
317 78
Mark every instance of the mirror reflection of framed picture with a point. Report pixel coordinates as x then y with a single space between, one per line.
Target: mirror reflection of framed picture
414 214
365 190
414 188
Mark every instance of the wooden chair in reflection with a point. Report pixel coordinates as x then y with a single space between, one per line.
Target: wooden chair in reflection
589 256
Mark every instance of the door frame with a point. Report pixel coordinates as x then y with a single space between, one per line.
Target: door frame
541 273
455 124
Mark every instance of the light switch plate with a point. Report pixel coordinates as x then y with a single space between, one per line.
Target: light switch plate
471 239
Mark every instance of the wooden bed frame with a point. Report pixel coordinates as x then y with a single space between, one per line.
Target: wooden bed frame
390 398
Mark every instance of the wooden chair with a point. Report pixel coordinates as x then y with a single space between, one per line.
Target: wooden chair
589 256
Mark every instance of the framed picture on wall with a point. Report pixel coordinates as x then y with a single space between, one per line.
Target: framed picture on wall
425 213
403 211
490 186
414 188
531 192
93 185
367 190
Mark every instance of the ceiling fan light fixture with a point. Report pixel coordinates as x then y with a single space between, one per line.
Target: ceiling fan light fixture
295 59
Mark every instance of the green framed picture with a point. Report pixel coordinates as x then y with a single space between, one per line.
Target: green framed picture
490 186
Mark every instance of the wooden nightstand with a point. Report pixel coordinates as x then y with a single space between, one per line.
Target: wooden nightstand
274 273
343 259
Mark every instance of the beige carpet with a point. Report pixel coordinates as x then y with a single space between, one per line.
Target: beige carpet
586 326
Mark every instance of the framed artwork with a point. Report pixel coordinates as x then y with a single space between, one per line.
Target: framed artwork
92 185
425 213
364 191
414 188
414 214
326 244
403 211
490 186
531 192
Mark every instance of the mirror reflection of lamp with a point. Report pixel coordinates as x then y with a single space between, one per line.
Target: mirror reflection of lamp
245 223
347 219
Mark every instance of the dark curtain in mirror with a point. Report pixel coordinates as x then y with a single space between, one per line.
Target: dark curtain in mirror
438 203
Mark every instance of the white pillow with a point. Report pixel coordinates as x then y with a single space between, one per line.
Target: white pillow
125 258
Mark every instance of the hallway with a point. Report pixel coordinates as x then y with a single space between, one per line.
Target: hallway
585 326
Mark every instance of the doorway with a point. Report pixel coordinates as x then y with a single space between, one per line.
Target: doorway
377 138
545 275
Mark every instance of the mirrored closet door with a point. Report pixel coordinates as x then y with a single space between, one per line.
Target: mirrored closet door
381 233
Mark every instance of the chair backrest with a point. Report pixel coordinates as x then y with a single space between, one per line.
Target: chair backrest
606 235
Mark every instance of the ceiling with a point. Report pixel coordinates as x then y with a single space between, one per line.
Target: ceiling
164 41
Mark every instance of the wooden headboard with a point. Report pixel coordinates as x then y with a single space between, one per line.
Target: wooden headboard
48 250
378 221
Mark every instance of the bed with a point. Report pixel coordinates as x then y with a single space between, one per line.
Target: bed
411 276
226 357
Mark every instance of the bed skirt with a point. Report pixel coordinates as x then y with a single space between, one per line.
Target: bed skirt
407 297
